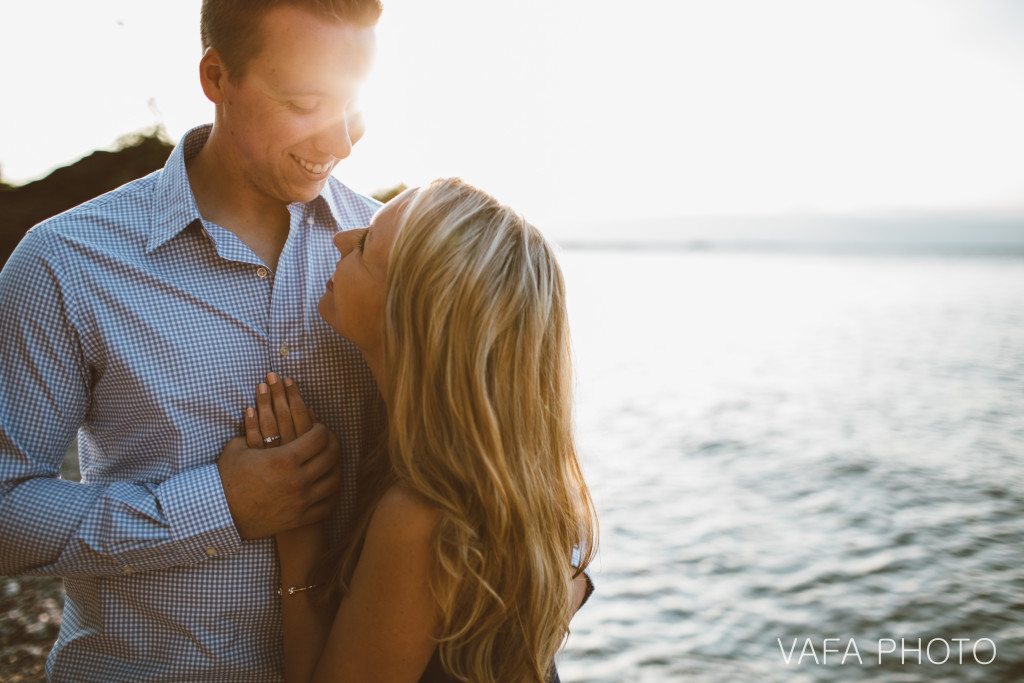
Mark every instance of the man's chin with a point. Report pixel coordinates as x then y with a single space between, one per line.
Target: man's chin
309 191
304 190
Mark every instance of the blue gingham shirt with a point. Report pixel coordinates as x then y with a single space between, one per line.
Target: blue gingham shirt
136 325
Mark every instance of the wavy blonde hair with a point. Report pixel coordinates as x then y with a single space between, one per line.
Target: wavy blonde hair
481 424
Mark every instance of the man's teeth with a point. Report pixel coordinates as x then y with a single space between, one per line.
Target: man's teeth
313 168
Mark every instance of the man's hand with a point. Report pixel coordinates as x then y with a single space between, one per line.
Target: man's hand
269 490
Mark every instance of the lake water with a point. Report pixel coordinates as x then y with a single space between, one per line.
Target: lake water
786 447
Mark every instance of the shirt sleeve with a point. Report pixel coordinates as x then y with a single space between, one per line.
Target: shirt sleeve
64 528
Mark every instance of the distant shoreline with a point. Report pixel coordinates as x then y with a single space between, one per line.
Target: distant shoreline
1009 250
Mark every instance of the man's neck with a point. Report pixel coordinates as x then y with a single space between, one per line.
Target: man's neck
226 198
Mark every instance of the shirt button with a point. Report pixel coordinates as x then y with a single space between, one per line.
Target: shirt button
309 220
211 551
261 272
128 570
284 350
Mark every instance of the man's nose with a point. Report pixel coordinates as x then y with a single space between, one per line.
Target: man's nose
336 138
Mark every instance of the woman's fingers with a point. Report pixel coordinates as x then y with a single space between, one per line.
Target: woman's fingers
302 418
253 438
282 412
265 416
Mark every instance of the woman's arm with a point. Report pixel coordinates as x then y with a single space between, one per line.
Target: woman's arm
306 616
306 619
384 630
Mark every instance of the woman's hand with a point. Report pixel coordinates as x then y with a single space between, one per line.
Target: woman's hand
280 415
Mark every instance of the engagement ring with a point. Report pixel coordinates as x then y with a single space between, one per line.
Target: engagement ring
271 439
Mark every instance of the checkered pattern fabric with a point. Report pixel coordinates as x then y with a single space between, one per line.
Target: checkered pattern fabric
136 325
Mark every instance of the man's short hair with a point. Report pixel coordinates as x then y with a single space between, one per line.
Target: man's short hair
232 26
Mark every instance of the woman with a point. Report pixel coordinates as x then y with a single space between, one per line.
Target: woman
458 567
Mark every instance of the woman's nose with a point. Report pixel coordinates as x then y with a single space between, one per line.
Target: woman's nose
346 240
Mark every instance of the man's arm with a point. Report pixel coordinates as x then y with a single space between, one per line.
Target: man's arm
66 528
50 526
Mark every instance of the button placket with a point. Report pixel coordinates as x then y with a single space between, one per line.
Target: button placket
285 322
259 283
278 338
264 288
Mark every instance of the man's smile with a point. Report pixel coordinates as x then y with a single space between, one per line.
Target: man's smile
315 169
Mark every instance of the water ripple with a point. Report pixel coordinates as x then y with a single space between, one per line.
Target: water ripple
811 458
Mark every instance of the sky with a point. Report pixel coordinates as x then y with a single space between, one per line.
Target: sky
579 112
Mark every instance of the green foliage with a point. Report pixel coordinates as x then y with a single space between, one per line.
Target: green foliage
387 195
156 135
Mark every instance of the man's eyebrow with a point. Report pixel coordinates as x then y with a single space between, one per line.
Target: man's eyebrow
314 91
302 93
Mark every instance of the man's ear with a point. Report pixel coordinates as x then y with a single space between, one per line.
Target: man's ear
212 75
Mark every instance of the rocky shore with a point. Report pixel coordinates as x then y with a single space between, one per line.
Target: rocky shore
30 614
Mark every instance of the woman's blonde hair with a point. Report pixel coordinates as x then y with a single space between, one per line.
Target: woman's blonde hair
481 424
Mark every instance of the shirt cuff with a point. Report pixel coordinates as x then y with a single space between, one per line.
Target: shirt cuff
198 514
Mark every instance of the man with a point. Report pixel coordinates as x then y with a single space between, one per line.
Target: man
144 320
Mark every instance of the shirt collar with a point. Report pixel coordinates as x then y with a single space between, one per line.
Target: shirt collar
337 198
174 205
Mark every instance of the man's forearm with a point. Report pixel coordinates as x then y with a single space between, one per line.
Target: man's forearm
64 528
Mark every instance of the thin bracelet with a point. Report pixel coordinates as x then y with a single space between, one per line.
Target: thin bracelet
292 590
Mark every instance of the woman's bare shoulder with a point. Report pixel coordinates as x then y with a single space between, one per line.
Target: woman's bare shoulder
403 516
